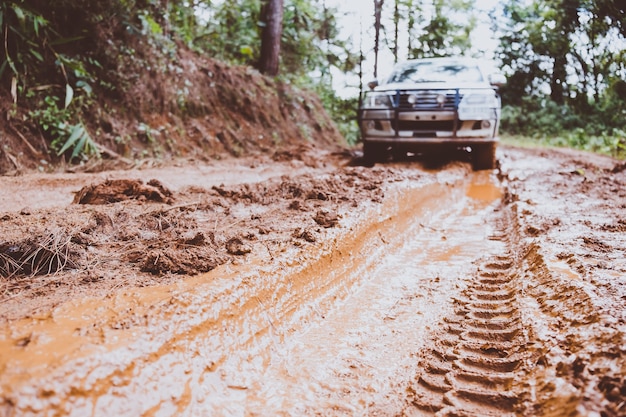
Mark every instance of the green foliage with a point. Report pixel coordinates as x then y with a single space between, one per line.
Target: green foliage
231 32
75 138
565 73
55 85
608 144
32 48
442 36
569 49
310 39
66 136
183 20
600 130
544 117
49 116
434 28
342 111
22 31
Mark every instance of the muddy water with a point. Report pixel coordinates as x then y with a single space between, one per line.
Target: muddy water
330 331
357 357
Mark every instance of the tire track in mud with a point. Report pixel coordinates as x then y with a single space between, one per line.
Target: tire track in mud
478 353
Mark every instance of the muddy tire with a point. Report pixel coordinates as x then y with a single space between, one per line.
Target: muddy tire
398 154
373 153
484 156
437 157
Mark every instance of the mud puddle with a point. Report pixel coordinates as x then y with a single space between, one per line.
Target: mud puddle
356 358
391 291
236 340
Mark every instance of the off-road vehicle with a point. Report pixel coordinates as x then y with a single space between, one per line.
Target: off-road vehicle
433 107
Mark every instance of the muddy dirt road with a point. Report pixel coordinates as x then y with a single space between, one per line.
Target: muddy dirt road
292 286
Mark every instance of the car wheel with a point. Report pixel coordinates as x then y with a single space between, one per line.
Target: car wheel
372 153
437 157
484 156
398 154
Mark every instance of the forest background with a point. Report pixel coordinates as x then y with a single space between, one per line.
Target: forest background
565 60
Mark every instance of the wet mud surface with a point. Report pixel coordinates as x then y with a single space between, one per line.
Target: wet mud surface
312 286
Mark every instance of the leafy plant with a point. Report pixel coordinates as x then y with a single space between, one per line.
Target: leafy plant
21 29
76 139
56 86
66 136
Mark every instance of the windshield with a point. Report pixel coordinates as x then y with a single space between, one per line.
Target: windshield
430 71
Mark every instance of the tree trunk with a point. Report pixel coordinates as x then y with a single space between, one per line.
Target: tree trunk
410 25
396 24
272 16
361 58
378 7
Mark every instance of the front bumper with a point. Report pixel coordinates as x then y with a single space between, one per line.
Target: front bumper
429 122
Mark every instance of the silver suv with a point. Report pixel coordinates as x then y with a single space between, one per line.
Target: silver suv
432 106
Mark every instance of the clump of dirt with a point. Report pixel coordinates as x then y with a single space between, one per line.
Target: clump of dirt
112 191
188 260
619 167
614 389
326 219
236 246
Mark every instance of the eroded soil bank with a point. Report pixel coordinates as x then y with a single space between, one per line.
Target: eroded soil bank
309 286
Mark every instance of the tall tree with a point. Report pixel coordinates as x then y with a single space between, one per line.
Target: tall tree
396 30
412 10
563 18
272 19
448 31
525 68
378 9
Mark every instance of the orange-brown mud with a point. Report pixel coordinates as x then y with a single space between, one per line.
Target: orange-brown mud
313 286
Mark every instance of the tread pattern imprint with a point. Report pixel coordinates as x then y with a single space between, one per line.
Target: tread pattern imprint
477 354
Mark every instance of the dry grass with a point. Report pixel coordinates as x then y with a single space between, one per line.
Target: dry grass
40 255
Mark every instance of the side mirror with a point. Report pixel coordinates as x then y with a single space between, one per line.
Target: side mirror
372 84
497 79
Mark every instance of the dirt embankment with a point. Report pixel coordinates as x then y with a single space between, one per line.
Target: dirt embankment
193 107
332 289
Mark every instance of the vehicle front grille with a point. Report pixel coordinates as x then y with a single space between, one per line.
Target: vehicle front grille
425 125
427 100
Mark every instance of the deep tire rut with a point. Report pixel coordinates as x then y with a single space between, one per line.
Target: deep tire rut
478 351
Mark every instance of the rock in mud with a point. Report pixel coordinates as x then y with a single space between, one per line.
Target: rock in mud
236 246
326 218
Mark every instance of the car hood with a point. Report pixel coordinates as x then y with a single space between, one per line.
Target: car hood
431 86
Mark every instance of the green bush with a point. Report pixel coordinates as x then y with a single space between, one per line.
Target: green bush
600 127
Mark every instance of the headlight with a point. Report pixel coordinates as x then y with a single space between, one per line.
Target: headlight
478 106
377 100
478 99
